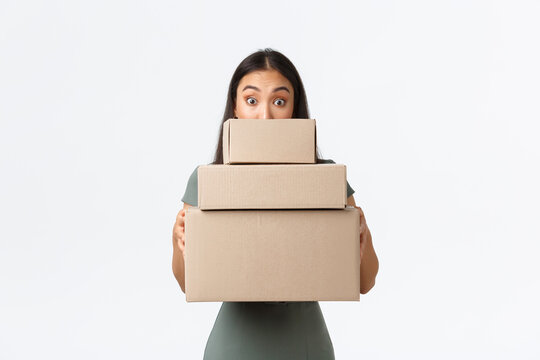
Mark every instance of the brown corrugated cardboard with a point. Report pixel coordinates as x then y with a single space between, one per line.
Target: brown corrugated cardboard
303 186
272 255
262 141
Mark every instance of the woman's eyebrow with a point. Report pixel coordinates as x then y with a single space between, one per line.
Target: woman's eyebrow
282 88
257 89
251 87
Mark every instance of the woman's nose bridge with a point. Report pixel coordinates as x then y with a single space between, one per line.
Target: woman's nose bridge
266 110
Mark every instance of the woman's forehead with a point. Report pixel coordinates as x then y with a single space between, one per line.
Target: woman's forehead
265 78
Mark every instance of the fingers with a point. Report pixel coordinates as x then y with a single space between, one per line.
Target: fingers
363 232
180 218
179 231
183 246
179 223
362 244
179 237
363 225
182 242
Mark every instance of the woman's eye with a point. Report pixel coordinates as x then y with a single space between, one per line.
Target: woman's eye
279 102
251 101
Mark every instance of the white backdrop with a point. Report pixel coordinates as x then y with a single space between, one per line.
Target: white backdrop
106 107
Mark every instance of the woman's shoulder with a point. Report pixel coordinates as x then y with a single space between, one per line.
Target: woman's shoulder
190 195
194 172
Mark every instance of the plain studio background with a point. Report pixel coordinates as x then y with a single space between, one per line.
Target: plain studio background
106 107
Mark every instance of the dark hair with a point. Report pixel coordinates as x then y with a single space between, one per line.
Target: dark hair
264 60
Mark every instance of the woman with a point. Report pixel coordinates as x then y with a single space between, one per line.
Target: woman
266 85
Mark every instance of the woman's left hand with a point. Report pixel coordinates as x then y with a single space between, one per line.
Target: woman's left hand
363 231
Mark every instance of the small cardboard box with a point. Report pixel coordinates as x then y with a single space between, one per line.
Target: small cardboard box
311 186
272 255
266 141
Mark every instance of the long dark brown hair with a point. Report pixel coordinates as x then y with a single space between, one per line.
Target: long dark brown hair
264 60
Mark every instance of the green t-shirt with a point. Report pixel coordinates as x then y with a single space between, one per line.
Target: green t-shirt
266 330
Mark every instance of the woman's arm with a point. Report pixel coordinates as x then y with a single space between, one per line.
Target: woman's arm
178 248
369 264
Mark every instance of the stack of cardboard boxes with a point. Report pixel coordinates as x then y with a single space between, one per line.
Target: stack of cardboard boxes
271 225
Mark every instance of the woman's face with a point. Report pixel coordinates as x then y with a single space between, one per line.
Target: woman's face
264 94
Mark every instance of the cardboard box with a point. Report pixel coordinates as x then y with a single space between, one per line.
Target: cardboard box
312 186
272 255
263 141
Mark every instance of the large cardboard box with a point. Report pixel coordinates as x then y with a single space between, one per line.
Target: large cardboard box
311 186
269 141
272 255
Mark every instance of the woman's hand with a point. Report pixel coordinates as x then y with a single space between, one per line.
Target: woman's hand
179 245
369 264
179 237
363 232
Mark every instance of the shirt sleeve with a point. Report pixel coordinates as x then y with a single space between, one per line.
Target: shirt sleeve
350 190
191 194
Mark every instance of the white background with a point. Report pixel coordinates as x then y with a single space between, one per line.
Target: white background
106 107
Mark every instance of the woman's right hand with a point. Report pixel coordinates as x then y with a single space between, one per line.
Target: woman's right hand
179 237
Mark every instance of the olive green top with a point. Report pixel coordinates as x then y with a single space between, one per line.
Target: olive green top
266 330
